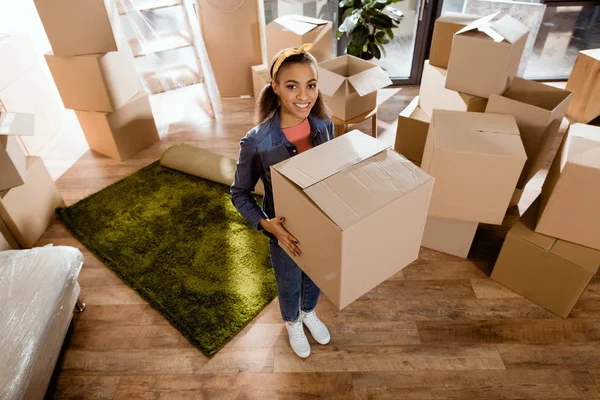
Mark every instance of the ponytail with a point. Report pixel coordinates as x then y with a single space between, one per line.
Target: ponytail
267 103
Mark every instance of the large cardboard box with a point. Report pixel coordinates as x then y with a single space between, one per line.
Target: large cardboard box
358 210
77 27
550 272
486 55
7 240
96 82
28 209
476 160
18 56
13 165
539 110
584 82
120 134
233 42
571 193
434 95
450 236
411 133
443 33
295 30
349 85
260 78
34 93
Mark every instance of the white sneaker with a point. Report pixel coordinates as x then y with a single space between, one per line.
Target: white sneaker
317 329
298 339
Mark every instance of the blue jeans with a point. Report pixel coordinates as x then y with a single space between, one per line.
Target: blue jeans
296 290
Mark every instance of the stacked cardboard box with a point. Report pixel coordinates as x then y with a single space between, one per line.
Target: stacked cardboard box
584 82
94 71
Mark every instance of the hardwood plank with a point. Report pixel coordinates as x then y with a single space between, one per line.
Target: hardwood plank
571 355
414 290
120 314
593 289
509 331
240 360
595 375
582 383
333 358
95 276
521 384
259 335
111 337
119 362
110 295
489 289
440 270
71 386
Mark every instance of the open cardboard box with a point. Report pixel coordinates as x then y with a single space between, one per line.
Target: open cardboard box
295 30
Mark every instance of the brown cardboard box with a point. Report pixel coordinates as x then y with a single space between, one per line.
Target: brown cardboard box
434 95
552 273
294 31
80 27
584 82
349 85
476 160
443 34
411 133
358 210
27 210
451 236
539 110
96 82
120 134
7 240
260 78
233 42
571 193
34 93
480 65
18 55
13 165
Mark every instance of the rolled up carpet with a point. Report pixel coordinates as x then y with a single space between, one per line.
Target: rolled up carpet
203 164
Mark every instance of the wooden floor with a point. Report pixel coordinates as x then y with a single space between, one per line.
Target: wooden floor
440 329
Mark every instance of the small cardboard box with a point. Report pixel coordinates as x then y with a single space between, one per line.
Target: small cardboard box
571 193
358 210
450 236
96 82
28 209
13 165
476 160
584 82
77 28
443 33
411 133
538 109
486 55
22 55
260 78
295 30
550 272
434 95
120 134
349 85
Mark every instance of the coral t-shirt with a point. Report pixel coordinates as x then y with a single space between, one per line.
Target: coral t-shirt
299 135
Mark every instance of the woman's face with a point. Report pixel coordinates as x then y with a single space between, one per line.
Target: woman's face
296 87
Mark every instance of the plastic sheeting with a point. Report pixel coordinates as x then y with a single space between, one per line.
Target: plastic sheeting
38 290
167 43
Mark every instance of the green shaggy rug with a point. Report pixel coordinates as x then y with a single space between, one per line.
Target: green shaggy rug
178 241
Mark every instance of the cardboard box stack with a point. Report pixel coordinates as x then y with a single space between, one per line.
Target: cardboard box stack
411 132
94 71
343 201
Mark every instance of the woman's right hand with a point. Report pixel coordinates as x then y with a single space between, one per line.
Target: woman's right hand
275 227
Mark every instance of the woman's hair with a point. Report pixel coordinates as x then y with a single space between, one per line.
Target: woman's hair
268 101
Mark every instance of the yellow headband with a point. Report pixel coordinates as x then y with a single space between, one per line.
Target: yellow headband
304 49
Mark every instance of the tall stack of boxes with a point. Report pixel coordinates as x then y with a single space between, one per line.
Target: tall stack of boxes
94 71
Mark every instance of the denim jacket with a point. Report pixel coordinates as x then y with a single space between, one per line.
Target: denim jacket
263 146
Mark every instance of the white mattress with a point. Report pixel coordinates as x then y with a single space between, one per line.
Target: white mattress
38 288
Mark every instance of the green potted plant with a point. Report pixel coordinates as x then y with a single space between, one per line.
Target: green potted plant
368 25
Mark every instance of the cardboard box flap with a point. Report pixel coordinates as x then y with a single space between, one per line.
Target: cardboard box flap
511 29
585 257
410 108
329 82
584 145
594 53
331 157
524 229
478 23
298 24
20 124
458 18
366 187
369 81
537 94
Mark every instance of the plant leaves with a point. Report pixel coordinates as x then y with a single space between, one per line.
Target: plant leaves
390 33
349 23
345 3
382 21
353 50
374 49
360 35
